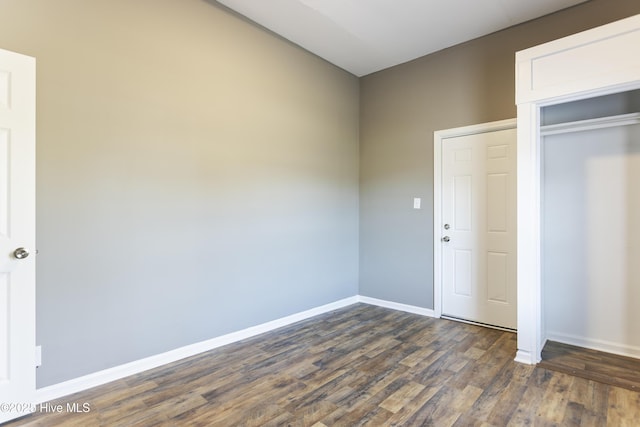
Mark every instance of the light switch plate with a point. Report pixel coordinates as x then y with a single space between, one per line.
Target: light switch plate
416 202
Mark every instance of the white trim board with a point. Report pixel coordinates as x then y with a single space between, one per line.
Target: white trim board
95 379
397 306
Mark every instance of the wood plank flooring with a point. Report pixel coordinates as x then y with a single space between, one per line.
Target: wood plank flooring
361 365
608 368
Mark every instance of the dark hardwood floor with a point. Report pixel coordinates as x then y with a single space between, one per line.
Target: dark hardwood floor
361 365
595 365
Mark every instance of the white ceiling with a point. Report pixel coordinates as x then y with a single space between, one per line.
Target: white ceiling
364 36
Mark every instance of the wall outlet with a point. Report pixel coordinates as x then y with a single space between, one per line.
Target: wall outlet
38 356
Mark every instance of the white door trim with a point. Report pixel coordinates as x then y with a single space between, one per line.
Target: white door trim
595 62
438 137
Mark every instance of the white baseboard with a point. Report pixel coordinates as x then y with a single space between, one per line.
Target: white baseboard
526 357
95 379
75 385
595 344
397 306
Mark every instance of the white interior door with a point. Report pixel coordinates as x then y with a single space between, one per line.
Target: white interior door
17 234
478 229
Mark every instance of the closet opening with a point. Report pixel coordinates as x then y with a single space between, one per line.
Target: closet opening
590 223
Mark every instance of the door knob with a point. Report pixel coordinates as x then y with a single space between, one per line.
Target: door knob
21 253
446 239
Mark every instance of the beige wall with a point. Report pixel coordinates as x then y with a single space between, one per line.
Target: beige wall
196 175
401 108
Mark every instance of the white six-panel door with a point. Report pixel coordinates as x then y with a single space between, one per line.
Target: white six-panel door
17 234
478 227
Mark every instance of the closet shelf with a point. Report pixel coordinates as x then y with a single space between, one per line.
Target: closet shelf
591 124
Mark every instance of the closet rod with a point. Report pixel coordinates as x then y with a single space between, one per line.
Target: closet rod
591 124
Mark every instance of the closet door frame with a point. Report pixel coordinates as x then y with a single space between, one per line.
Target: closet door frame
592 63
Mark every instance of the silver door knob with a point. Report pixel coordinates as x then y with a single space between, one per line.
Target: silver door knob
21 253
446 239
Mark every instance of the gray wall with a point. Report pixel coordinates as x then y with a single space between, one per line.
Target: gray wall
196 175
401 108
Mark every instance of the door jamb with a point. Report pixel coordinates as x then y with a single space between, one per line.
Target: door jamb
438 137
